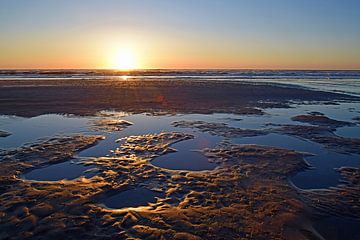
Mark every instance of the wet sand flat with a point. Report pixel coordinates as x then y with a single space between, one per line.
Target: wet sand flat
86 97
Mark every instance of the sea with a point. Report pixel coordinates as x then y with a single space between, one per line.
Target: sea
340 81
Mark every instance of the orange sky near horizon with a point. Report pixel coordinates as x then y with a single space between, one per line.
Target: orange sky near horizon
89 52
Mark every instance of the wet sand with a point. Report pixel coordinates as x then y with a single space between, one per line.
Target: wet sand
247 196
30 98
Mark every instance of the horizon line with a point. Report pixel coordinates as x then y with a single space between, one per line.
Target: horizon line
183 69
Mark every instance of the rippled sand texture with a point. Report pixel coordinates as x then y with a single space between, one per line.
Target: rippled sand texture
248 196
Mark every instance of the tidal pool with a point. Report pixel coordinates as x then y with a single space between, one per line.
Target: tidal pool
135 197
188 155
67 170
351 132
28 130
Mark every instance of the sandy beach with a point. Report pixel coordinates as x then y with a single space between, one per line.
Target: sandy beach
86 97
165 159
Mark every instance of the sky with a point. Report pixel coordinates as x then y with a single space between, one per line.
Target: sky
263 34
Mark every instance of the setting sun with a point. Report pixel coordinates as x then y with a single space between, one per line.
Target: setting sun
124 59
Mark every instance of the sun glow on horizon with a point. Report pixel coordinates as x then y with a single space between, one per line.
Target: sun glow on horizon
124 59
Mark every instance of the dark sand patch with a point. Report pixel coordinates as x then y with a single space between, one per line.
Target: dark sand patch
87 97
357 120
4 134
321 120
219 129
248 197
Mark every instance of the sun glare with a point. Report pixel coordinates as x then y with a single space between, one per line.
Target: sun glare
124 59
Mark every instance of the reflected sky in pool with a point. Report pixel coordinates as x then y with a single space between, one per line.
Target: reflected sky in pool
27 130
187 156
350 132
324 174
132 198
66 170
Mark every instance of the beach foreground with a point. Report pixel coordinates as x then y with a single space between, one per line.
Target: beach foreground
86 97
249 146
